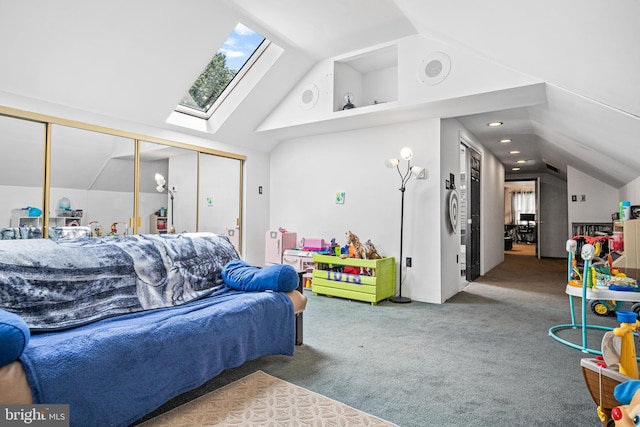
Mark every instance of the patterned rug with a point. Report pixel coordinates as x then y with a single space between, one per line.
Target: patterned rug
262 400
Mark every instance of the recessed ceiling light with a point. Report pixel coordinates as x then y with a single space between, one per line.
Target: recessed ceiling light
521 161
515 169
493 124
514 152
504 141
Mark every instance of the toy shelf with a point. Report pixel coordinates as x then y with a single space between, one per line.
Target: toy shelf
328 278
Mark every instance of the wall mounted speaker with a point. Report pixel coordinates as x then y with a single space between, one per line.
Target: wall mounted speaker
308 96
434 68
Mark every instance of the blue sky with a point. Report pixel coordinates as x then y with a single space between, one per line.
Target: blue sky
240 45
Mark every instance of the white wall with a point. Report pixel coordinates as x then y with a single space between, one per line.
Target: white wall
491 212
553 216
307 172
631 192
601 199
470 75
449 241
255 216
14 197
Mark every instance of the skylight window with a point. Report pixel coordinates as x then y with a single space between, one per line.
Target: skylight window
232 61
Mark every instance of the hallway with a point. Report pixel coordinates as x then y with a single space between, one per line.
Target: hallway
522 249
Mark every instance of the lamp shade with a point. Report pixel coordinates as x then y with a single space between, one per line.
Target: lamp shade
419 172
406 153
160 180
160 188
391 163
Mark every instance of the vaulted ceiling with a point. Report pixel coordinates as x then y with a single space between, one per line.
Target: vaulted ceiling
133 60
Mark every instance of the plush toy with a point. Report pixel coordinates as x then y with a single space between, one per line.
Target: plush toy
371 251
627 393
349 269
358 248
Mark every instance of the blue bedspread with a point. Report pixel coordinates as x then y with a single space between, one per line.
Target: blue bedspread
114 371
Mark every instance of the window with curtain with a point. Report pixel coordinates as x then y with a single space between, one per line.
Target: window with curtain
522 202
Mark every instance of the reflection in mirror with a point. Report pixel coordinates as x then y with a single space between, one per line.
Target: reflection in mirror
92 183
219 208
21 178
179 169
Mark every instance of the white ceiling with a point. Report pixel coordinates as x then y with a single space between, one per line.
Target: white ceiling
135 60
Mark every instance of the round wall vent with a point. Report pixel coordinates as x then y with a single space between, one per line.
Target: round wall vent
309 96
434 68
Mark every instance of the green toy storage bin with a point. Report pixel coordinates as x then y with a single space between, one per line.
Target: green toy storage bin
381 284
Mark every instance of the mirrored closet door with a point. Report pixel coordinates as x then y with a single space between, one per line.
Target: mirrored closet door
91 183
21 178
168 189
61 178
220 209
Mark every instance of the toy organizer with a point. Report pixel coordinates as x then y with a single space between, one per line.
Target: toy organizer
375 282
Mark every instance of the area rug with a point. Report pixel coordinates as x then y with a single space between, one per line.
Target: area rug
260 399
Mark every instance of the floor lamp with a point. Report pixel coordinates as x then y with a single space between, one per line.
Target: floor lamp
162 186
420 173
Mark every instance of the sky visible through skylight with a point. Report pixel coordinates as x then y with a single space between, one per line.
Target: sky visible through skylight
223 71
239 46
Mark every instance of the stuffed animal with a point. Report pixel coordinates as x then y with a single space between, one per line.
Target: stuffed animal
370 251
627 393
358 248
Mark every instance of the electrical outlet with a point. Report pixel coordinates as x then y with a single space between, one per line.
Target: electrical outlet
174 188
409 261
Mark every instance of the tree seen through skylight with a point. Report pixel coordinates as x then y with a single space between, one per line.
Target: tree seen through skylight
237 49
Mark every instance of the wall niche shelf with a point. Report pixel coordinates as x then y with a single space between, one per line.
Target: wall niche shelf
371 77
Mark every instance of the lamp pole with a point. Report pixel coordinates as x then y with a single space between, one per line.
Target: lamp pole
403 186
400 299
172 230
162 186
420 173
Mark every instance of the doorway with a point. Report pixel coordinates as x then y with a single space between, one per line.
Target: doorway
521 217
470 175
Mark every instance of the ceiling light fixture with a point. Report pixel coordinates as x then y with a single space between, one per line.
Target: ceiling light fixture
504 141
514 152
521 161
494 124
515 169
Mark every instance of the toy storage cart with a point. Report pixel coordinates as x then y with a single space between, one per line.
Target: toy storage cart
587 293
328 278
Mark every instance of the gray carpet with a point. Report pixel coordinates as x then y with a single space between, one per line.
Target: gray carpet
484 358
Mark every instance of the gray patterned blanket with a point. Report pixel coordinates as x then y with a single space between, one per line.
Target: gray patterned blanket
59 284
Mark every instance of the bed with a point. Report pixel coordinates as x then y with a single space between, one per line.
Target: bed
115 368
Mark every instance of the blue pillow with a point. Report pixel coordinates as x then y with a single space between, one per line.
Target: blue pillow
240 275
14 337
